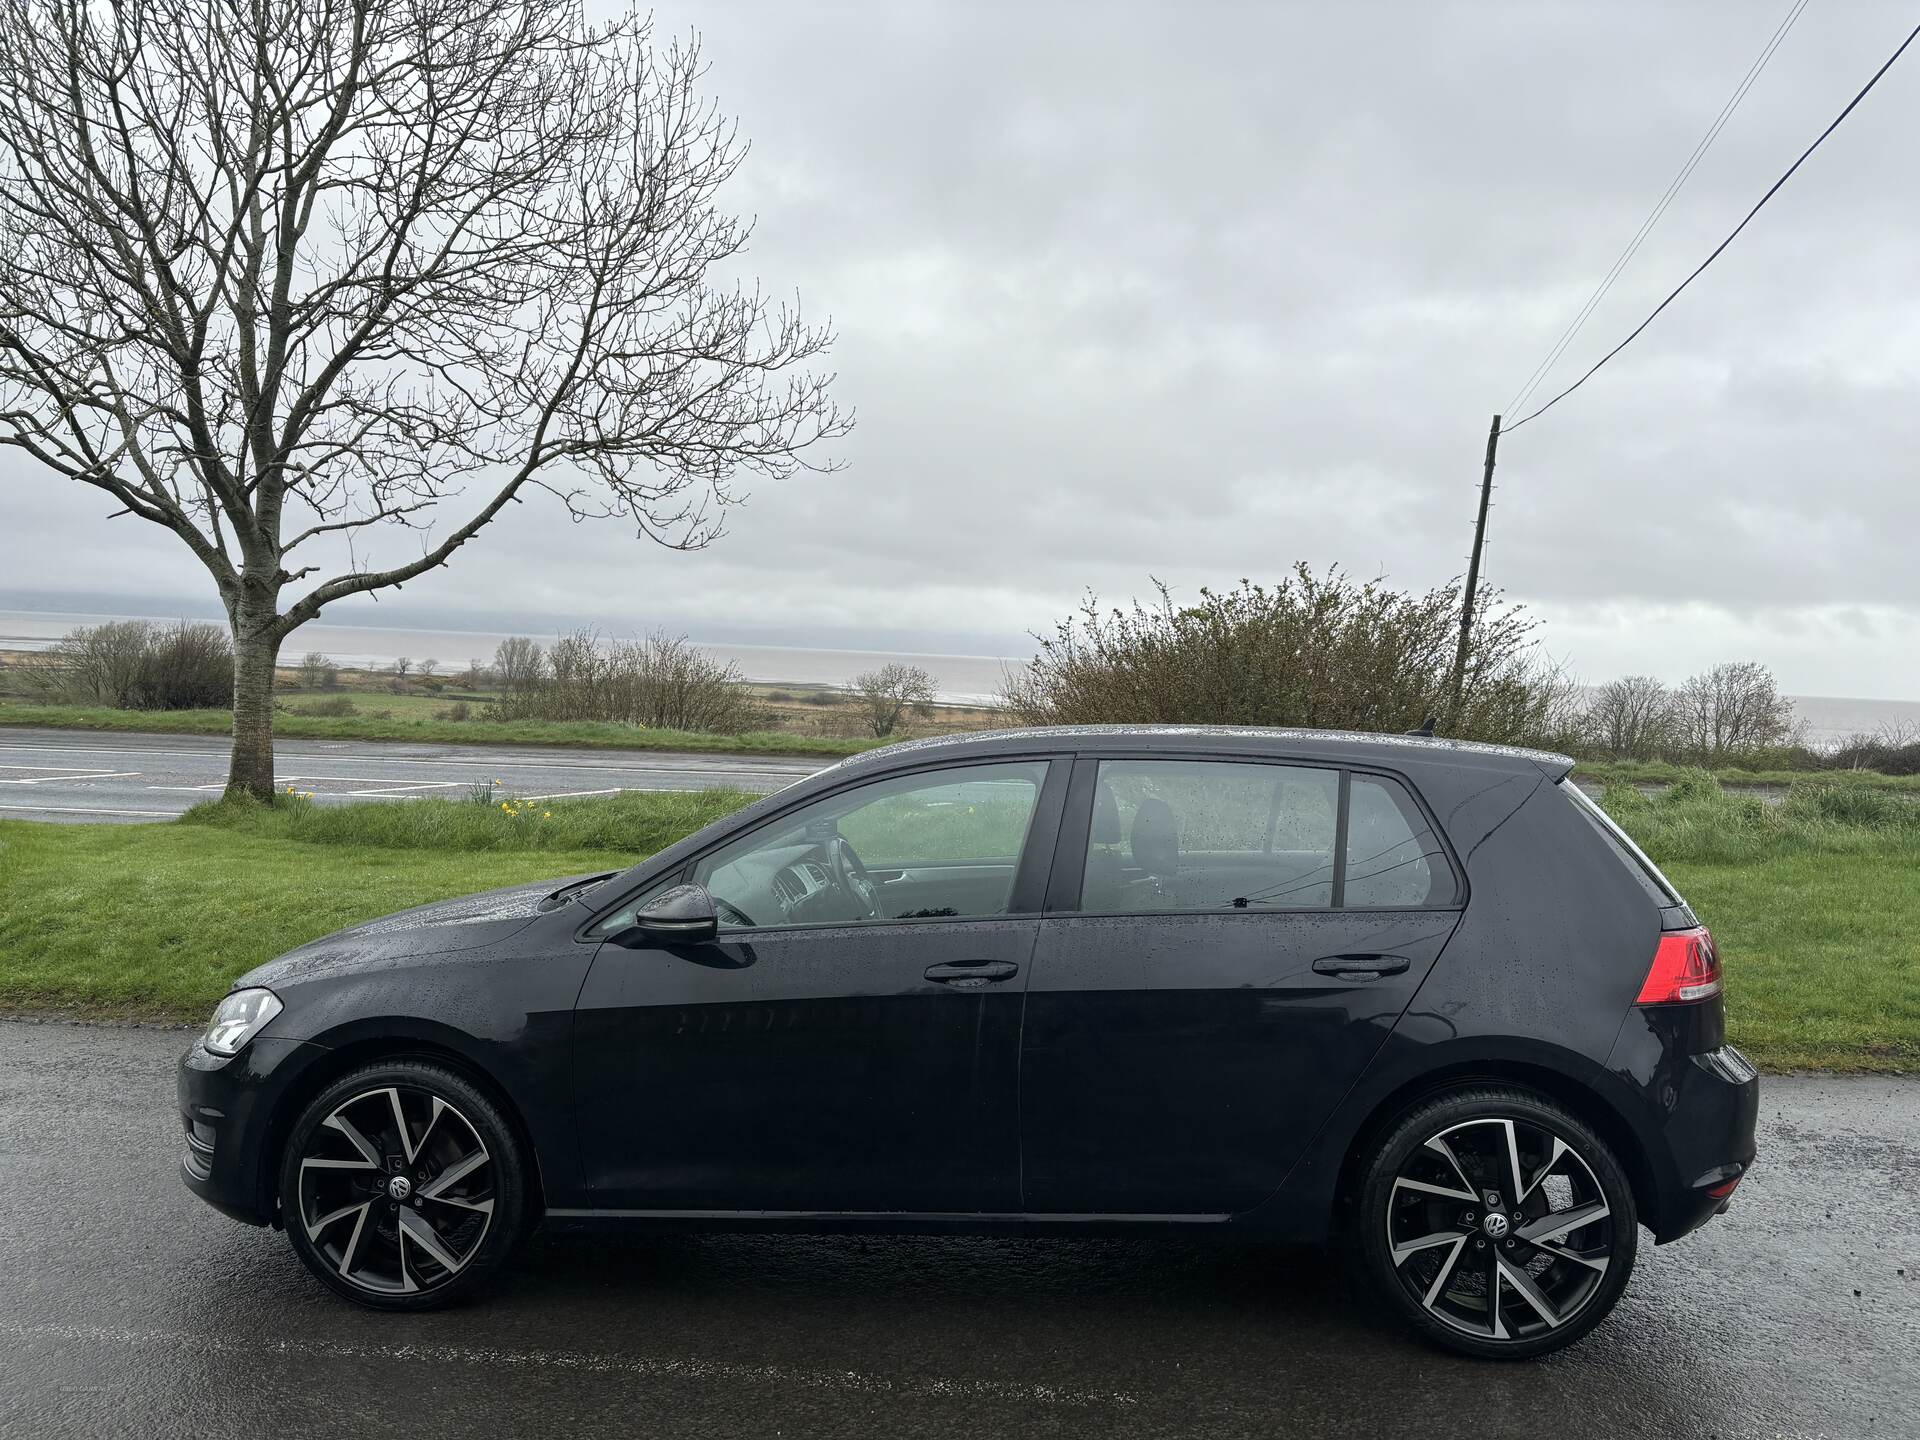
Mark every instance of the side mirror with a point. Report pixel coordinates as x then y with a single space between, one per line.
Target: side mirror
683 915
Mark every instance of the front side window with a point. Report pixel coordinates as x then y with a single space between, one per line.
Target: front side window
1210 835
942 844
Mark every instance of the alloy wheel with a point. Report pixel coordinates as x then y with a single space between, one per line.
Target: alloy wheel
396 1190
1499 1228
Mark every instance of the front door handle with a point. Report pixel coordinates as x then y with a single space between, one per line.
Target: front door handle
1355 966
968 973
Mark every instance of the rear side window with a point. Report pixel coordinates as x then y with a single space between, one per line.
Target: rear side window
1174 835
1210 835
1658 888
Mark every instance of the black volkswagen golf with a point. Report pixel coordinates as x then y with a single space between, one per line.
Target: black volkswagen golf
1416 995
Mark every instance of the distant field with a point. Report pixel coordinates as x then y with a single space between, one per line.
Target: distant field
1816 903
802 720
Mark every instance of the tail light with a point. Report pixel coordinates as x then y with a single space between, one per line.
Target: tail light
1686 968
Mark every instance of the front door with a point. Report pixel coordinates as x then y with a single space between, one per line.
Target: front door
851 1041
1226 948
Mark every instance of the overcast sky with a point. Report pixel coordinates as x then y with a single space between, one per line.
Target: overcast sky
1192 291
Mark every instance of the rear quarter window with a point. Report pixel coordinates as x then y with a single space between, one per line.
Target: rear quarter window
1643 870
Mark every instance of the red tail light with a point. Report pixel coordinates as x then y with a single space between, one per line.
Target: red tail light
1686 968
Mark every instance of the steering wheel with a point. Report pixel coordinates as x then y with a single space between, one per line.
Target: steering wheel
850 874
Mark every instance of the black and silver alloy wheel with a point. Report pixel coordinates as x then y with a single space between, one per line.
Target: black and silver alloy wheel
1501 1225
400 1184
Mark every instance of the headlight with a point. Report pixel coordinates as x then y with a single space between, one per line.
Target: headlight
238 1019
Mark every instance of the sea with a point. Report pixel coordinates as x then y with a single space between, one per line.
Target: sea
958 679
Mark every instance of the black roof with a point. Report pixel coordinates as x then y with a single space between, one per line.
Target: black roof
1351 746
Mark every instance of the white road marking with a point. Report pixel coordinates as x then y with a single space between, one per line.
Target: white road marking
87 810
722 1372
574 794
67 775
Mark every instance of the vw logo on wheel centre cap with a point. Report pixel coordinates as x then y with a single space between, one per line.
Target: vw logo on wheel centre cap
399 1187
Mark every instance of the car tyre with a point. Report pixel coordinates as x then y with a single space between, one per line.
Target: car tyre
403 1187
1492 1191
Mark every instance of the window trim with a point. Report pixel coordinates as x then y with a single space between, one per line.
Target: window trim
1076 831
1031 867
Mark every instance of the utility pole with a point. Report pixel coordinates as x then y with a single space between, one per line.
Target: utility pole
1473 576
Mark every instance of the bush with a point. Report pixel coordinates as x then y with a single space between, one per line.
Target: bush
458 711
1322 651
889 694
1895 750
334 705
662 682
138 665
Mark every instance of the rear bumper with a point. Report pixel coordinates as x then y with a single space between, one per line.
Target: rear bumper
1694 1109
227 1107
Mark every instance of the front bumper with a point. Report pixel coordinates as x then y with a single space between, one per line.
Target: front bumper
227 1110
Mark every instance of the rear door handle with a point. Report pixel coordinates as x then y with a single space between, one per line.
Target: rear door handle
968 973
1354 966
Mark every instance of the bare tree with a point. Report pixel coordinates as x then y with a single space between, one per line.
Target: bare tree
427 667
402 667
317 672
1731 708
282 278
887 694
1631 718
518 662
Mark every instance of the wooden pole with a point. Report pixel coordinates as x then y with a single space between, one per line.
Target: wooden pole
1459 684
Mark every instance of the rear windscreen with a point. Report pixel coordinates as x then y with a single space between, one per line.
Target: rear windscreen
1635 859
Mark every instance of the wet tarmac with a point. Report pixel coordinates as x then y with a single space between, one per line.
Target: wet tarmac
131 1309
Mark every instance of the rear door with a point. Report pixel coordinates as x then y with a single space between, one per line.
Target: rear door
1227 945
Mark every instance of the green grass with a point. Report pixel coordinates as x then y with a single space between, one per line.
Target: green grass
1659 772
422 728
1816 903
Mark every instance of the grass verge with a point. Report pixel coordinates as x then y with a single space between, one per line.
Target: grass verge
580 734
1659 772
1816 902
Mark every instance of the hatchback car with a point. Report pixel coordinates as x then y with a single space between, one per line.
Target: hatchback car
1419 995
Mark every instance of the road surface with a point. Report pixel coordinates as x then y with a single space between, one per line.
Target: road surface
80 775
132 1309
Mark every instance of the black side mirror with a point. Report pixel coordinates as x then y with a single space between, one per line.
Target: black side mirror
683 915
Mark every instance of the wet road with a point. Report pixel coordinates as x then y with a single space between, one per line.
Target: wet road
76 775
132 1309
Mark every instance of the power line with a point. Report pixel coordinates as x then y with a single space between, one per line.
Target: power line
1771 192
1705 143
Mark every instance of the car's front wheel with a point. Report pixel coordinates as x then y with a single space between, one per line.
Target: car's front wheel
1497 1223
402 1186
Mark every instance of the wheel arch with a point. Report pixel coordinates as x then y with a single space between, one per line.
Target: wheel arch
1579 1100
345 1057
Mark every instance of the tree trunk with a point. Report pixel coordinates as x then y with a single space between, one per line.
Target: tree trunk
256 650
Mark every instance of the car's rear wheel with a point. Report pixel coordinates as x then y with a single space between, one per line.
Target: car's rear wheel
402 1186
1497 1223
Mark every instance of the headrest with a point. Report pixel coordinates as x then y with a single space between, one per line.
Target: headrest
1156 838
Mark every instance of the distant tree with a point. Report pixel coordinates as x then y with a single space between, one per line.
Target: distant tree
889 693
427 667
317 672
402 667
478 672
1632 718
279 278
1730 709
518 663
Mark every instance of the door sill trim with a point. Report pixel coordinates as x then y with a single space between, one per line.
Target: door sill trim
994 1217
